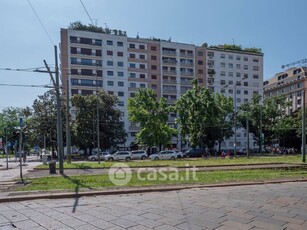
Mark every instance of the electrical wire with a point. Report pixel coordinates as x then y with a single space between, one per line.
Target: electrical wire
41 22
36 69
33 86
87 12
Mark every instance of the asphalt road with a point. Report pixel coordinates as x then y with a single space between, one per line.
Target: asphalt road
271 206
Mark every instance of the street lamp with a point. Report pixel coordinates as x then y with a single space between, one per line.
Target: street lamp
235 113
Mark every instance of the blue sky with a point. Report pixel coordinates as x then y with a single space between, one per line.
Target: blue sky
278 27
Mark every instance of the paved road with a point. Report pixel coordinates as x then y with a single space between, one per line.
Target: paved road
272 206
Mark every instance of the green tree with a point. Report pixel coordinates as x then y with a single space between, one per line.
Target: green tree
84 127
196 110
152 116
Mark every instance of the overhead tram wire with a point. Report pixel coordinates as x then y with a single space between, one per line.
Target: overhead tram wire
41 23
32 86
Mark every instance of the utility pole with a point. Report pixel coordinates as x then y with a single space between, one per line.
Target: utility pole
59 117
7 153
68 137
247 137
20 148
98 129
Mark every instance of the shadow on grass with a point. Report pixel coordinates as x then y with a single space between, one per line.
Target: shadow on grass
78 184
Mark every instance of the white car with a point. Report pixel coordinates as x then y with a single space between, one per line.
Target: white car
139 155
119 155
94 157
164 155
179 154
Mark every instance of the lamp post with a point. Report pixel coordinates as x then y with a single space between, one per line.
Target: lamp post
303 128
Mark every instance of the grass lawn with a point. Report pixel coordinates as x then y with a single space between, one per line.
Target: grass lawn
4 156
184 162
102 181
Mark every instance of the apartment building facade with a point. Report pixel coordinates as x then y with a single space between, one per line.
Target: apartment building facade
121 66
239 75
292 83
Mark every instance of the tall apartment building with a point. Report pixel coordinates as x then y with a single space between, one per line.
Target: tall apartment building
239 75
291 83
121 65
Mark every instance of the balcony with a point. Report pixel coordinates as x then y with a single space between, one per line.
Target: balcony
186 82
169 81
169 62
188 55
171 72
168 90
187 64
185 73
169 53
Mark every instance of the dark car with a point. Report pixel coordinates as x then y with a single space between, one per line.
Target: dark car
195 152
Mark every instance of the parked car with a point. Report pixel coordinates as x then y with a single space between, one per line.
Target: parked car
139 155
119 155
164 155
95 156
195 152
179 154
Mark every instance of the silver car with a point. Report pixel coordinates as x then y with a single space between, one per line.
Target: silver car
139 155
95 156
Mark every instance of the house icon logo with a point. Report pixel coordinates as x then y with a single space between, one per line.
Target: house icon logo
120 174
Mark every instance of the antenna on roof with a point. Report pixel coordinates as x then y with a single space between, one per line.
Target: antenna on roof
300 62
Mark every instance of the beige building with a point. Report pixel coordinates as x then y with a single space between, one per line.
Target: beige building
291 83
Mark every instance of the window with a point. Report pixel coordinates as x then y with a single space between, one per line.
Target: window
153 57
73 39
110 53
121 103
230 57
87 41
142 56
99 83
110 83
73 61
238 74
222 56
255 93
154 77
73 50
230 91
86 51
245 75
153 67
223 73
141 47
245 83
255 76
142 66
120 64
86 61
109 63
245 66
256 68
223 64
238 58
99 73
99 63
245 58
120 94
132 65
238 66
154 86
132 46
200 63
132 85
153 48
120 83
131 55
109 43
133 75
74 71
74 81
238 91
200 53
120 54
86 82
256 84
98 53
110 73
98 42
230 65
230 74
142 85
200 71
255 60
87 72
142 76
120 73
121 44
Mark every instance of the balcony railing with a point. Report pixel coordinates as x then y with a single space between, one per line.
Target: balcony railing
169 81
187 55
189 64
185 82
172 72
186 73
169 62
169 90
169 53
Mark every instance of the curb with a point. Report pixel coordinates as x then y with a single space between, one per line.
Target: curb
15 198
